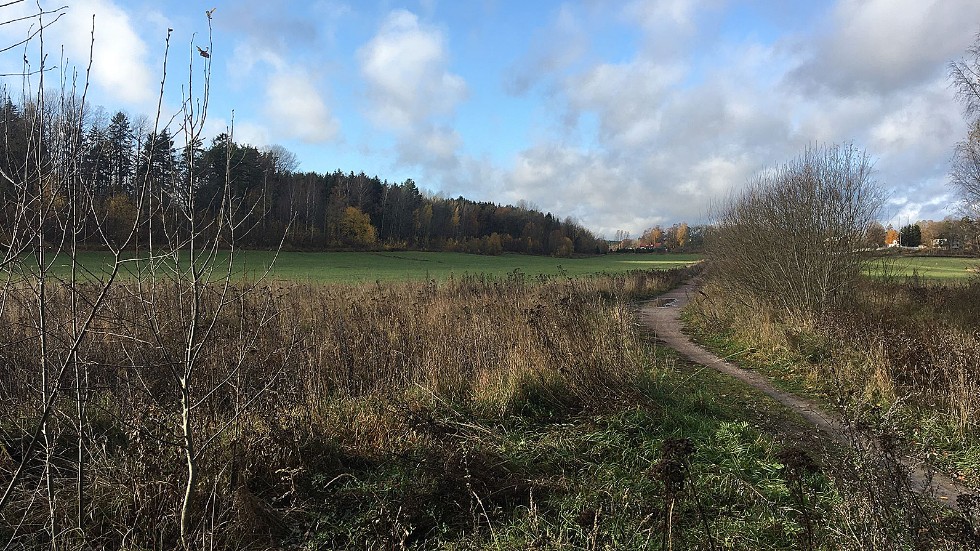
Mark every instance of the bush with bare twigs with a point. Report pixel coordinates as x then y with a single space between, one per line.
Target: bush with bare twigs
792 237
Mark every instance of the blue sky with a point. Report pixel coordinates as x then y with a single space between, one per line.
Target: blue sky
620 114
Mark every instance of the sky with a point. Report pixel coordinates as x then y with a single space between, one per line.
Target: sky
618 114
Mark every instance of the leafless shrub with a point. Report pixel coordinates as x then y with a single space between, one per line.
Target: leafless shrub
791 238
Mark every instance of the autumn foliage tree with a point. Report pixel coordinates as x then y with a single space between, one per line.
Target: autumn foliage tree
652 237
680 235
950 233
891 236
675 238
356 228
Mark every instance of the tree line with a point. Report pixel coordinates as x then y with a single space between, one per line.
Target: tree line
678 238
953 234
119 158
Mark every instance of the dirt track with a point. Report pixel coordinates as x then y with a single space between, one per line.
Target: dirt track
662 315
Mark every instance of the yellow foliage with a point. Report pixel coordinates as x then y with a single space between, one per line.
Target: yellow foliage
891 236
356 228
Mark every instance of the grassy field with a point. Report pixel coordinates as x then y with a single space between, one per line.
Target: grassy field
356 267
359 267
931 267
342 267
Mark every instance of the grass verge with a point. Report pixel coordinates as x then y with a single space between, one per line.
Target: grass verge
694 461
898 358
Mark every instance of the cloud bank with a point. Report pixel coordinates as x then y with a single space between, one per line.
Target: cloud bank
677 128
619 114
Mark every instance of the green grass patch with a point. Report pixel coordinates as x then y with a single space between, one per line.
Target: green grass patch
927 267
599 479
783 371
580 480
359 267
393 266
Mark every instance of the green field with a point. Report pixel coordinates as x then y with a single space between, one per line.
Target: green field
352 267
387 266
930 267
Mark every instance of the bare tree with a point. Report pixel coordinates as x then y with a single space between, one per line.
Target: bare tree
791 238
46 205
191 289
965 170
185 310
283 161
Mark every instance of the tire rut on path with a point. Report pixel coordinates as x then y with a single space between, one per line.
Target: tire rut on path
662 316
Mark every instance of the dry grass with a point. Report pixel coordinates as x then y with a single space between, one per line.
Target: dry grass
902 346
292 377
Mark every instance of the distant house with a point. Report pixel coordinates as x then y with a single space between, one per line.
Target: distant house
892 237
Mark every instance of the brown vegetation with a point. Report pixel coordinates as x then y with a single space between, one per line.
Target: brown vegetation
790 238
900 353
786 294
287 373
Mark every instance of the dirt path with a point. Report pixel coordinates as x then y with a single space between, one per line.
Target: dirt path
662 315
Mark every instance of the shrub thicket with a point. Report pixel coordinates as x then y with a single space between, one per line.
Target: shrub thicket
792 237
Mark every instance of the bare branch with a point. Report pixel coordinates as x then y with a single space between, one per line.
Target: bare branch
36 32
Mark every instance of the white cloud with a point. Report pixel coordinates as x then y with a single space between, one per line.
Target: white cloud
434 147
589 186
669 26
689 118
553 50
626 96
413 94
405 67
665 148
120 69
937 204
882 45
247 56
293 105
657 15
119 55
245 131
876 75
922 120
295 109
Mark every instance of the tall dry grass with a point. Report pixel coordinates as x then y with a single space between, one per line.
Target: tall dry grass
927 341
905 344
288 376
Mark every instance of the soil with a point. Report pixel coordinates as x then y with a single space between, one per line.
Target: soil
662 316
